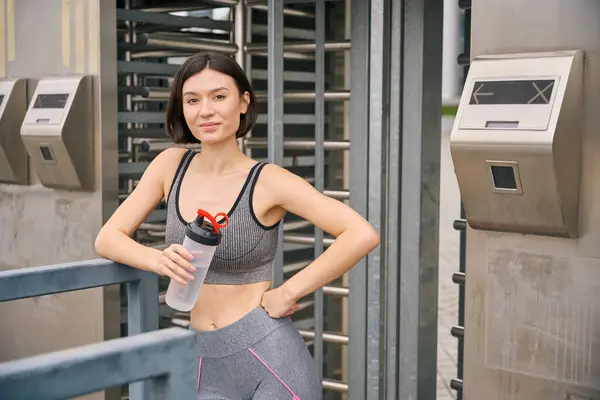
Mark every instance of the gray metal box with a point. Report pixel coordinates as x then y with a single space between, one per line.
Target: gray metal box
58 132
516 143
13 156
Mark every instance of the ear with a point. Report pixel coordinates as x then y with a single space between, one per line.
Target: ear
245 99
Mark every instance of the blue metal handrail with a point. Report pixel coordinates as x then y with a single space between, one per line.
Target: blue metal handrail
142 293
163 356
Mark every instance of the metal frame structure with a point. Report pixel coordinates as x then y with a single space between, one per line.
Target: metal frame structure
142 317
392 163
383 314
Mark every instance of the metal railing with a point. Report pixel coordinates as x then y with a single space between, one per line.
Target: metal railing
157 363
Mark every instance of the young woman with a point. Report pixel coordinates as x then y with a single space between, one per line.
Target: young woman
247 347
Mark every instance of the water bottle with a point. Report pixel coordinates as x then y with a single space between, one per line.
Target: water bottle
201 240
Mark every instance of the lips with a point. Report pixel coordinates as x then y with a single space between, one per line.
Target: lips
209 125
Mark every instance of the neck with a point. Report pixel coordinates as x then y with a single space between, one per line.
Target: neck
220 157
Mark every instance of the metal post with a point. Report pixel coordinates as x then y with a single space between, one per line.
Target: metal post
275 109
359 116
142 316
391 267
419 213
319 169
377 136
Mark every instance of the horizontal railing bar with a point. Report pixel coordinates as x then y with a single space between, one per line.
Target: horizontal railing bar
145 133
299 47
171 20
457 331
327 337
28 282
459 278
456 384
286 11
288 76
90 368
336 291
289 144
338 194
308 96
291 33
305 239
156 40
335 386
146 68
252 2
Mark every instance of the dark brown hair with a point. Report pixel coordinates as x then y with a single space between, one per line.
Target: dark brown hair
177 128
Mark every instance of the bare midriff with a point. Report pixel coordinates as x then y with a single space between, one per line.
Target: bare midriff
221 305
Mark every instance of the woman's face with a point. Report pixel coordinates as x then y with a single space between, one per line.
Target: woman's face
212 106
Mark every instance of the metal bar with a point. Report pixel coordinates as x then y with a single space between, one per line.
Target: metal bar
308 96
275 109
23 283
336 291
146 68
421 141
458 332
300 144
163 355
239 17
338 194
149 133
288 76
292 119
142 316
302 239
171 20
141 117
319 174
335 386
132 170
295 33
301 47
156 40
326 337
458 278
134 90
391 267
377 168
253 2
359 116
290 12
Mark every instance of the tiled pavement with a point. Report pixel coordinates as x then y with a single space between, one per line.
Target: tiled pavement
449 252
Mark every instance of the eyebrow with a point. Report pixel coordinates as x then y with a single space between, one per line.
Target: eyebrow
211 91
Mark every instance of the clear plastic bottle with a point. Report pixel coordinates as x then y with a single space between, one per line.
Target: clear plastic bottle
201 240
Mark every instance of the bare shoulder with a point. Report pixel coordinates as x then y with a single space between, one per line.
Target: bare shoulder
164 165
284 186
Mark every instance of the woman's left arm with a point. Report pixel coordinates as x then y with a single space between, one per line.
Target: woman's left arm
355 237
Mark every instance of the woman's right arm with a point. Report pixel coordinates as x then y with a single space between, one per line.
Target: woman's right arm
114 241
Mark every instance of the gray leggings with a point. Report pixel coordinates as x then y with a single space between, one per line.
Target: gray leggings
257 357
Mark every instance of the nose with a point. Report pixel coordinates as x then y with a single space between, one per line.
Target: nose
206 109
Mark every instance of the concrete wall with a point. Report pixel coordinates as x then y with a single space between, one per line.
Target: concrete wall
41 226
532 303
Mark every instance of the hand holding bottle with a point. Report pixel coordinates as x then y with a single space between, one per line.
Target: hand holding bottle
175 263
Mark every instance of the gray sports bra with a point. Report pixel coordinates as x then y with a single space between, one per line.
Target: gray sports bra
247 247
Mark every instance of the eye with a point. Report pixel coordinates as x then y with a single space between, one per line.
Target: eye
220 97
191 101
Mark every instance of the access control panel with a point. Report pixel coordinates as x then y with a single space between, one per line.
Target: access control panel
13 157
58 132
516 143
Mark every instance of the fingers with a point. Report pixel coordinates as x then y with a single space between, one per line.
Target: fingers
180 256
175 271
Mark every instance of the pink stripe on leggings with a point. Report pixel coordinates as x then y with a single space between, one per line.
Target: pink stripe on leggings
199 373
274 374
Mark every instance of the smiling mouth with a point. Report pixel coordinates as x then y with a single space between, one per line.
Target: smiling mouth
209 125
